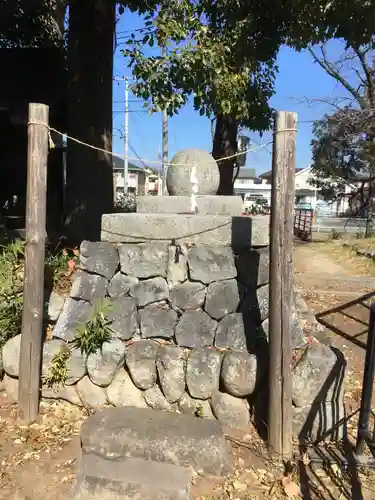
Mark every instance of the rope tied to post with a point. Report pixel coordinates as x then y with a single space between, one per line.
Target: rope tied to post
121 156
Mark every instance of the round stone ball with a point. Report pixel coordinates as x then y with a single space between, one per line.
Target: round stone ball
179 173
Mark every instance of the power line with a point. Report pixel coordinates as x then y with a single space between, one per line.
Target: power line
130 100
135 30
130 111
137 155
138 129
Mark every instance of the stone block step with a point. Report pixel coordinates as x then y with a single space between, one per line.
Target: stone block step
130 479
206 204
158 436
240 232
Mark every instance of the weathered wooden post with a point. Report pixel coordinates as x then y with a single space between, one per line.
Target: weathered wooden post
281 288
32 317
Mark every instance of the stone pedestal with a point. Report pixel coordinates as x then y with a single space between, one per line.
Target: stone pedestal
241 232
205 204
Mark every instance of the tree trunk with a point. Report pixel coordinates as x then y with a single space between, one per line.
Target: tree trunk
369 211
225 144
89 178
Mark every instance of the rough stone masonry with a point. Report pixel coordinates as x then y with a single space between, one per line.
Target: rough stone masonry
189 334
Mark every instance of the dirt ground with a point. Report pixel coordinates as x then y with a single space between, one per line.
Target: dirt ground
325 273
339 286
39 462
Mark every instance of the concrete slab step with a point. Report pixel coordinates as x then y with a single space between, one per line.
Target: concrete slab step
206 204
130 479
158 436
240 232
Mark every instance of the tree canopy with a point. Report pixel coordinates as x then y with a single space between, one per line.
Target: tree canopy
30 23
344 144
226 65
224 53
223 56
226 68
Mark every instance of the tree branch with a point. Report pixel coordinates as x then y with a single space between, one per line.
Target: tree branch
369 83
333 71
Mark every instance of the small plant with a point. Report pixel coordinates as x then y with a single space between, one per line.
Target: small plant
63 264
11 290
199 411
359 234
91 336
335 235
370 232
58 371
125 203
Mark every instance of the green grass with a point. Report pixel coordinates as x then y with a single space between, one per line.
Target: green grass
11 290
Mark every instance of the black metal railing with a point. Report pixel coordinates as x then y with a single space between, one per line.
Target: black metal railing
366 435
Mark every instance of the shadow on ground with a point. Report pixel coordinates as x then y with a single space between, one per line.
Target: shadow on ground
332 471
357 311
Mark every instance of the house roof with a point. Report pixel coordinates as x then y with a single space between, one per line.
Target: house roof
268 174
118 164
246 173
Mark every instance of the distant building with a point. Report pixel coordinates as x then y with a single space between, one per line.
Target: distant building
141 180
248 184
305 192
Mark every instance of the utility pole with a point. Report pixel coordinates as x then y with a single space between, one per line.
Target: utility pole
126 137
126 132
165 140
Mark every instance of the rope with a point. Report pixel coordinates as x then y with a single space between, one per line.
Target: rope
285 130
122 157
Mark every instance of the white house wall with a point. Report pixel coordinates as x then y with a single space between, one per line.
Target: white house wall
264 190
132 181
303 180
305 192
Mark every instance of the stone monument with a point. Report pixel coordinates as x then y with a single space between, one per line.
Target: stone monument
192 213
193 168
187 279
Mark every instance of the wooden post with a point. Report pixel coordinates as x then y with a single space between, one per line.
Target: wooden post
281 288
32 317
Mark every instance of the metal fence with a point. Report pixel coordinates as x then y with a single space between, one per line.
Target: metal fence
329 223
366 435
306 222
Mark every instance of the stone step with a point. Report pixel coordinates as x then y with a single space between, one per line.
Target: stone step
130 479
206 204
165 437
240 232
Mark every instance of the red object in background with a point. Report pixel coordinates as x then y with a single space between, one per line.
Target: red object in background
303 222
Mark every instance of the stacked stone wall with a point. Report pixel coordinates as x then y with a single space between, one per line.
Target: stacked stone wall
189 333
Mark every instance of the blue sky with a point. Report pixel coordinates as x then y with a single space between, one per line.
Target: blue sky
299 78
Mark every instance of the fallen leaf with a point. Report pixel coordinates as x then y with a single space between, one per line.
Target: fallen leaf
239 486
305 459
291 489
49 334
336 470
